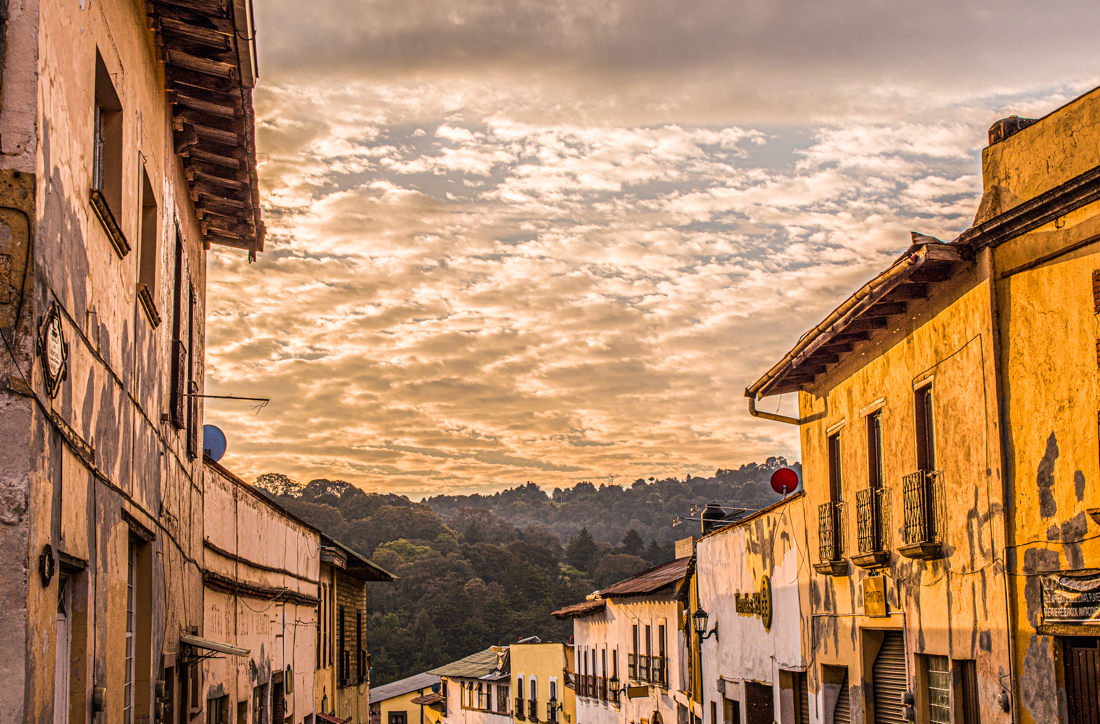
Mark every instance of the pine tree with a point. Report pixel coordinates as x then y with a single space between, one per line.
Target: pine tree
633 545
582 552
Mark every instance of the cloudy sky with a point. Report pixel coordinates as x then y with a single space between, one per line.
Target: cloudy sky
553 240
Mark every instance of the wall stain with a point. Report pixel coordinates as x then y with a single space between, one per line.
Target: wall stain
1048 506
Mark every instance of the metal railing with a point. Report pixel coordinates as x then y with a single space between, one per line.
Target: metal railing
830 531
872 514
602 688
644 668
925 514
518 709
660 671
533 709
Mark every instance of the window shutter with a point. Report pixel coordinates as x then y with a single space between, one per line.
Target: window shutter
176 409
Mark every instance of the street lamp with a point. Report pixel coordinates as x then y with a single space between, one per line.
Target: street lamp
699 621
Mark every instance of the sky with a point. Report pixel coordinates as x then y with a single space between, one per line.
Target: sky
554 240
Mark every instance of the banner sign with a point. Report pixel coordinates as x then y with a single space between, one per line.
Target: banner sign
1069 599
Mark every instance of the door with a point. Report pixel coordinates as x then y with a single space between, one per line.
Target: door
1082 673
62 656
759 704
889 680
842 713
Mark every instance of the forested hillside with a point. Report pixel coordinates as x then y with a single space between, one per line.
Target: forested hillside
479 570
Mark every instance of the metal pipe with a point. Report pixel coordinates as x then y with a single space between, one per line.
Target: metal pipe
769 416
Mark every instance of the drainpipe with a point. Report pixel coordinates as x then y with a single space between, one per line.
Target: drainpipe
1006 483
769 416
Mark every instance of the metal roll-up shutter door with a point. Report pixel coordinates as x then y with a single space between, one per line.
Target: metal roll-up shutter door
888 679
803 689
842 714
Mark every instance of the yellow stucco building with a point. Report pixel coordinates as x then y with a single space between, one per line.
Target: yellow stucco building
414 700
543 668
948 419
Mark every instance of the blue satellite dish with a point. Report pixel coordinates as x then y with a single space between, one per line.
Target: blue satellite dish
213 442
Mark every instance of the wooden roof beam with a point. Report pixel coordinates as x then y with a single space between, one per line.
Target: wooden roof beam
196 64
909 291
196 34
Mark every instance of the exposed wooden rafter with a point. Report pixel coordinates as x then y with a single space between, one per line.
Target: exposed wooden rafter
208 71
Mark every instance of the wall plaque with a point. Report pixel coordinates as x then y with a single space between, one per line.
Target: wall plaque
758 603
54 351
1071 599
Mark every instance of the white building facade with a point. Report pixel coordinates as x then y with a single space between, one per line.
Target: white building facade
629 651
752 581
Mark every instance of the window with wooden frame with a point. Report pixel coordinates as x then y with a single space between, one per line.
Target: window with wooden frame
177 406
341 645
836 480
502 698
106 193
634 656
148 251
925 424
874 450
361 653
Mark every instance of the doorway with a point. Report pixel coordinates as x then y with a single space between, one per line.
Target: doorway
1082 672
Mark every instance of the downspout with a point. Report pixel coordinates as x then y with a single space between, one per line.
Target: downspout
1006 481
769 416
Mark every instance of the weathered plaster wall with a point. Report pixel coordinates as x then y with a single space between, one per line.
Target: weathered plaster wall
1050 152
414 713
252 542
1049 358
955 606
734 561
612 629
109 409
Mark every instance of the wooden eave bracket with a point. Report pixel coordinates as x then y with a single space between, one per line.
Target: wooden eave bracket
864 310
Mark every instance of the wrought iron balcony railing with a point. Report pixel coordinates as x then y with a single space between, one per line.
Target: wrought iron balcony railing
519 708
925 514
533 709
830 536
872 517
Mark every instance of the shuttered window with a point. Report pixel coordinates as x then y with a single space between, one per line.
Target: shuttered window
842 713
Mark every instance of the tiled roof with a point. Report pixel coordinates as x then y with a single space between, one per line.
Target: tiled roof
429 699
474 666
649 581
584 608
402 687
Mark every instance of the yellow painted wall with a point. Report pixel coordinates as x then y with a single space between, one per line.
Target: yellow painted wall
416 714
954 606
545 660
1049 386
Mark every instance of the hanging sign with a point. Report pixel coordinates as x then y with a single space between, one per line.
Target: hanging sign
874 596
1071 599
758 603
54 351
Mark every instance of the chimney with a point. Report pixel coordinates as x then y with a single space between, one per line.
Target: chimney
712 516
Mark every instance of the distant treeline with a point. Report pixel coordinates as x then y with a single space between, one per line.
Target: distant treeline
478 570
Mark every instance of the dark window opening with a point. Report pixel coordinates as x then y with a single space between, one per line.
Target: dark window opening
926 436
836 486
107 149
874 450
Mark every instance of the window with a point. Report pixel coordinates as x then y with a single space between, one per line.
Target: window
180 333
107 150
192 388
634 656
398 717
361 659
615 664
342 661
926 436
647 662
217 710
662 656
502 699
836 485
874 450
938 690
147 250
131 587
552 702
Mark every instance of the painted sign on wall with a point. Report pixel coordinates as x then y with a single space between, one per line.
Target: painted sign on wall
757 603
1071 599
874 596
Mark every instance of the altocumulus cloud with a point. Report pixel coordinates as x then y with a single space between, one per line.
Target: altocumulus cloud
520 240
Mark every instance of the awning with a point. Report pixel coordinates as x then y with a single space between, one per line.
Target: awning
332 719
201 643
429 699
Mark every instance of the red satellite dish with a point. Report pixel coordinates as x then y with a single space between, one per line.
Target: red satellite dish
784 480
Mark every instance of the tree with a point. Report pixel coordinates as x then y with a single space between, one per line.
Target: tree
615 567
279 484
633 545
582 552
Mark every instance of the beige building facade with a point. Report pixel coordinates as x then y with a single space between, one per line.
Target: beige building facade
341 679
115 178
261 570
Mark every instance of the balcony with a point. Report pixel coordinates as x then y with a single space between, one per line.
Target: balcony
660 671
925 515
632 665
518 709
602 688
533 709
830 535
872 515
